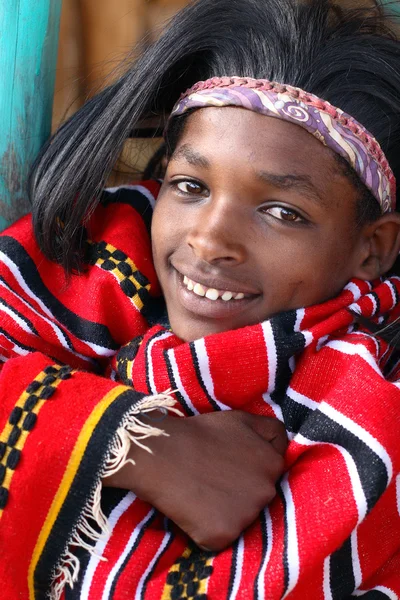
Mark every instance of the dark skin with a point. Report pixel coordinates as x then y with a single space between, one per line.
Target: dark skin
257 205
254 206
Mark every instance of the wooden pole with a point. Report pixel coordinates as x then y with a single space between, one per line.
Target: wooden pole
392 7
28 54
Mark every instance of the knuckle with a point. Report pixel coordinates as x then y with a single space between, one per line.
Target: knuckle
279 427
278 465
216 538
269 494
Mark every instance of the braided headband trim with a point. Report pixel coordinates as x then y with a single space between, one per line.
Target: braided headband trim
330 125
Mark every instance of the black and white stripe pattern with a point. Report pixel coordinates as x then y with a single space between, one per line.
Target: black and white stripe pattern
95 558
267 543
158 336
27 326
176 384
379 592
132 544
146 577
373 467
342 570
291 560
201 364
236 568
22 267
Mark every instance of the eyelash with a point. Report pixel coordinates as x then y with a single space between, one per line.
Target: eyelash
179 182
202 188
298 218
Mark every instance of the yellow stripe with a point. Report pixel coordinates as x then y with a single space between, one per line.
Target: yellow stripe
120 276
24 434
135 299
70 472
129 368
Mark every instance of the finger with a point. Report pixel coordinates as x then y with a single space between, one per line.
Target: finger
204 548
270 429
280 442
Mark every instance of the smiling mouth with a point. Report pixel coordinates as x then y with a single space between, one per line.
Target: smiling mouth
212 293
202 301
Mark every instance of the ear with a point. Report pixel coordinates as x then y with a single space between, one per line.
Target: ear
379 247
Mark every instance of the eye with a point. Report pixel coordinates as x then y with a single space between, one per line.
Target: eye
283 214
189 187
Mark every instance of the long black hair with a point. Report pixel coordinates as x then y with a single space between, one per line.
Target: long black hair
348 57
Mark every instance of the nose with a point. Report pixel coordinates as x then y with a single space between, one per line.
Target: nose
217 235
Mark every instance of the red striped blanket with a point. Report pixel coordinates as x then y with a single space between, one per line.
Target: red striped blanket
78 361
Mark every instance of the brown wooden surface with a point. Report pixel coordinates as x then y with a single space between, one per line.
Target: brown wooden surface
95 37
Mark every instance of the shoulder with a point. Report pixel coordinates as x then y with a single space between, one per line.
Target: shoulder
140 196
123 212
121 224
135 201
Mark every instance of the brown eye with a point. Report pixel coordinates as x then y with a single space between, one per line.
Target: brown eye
288 215
283 214
189 187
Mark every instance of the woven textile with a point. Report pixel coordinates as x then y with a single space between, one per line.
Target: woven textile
79 360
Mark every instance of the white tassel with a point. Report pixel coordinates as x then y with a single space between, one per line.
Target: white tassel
132 430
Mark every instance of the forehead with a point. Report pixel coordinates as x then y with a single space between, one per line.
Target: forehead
227 136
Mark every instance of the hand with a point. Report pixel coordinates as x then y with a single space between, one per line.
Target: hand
212 475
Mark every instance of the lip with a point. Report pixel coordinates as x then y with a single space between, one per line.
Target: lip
212 309
218 283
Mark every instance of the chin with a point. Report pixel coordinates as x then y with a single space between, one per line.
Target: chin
190 331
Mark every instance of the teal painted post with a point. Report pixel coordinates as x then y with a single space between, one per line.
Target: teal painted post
28 54
392 7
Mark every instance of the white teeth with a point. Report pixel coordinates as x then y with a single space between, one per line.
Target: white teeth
199 290
227 296
212 294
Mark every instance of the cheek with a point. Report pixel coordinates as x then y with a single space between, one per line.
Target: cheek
159 225
165 231
303 272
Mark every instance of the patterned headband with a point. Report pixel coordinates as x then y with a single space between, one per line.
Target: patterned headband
331 126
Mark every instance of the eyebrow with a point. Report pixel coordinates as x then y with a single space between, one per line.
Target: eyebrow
191 156
302 183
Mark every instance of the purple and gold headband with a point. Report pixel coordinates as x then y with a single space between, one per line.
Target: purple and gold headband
331 126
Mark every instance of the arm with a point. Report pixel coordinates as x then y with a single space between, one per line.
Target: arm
67 428
54 455
62 425
211 475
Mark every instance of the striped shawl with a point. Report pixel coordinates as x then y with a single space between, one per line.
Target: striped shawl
80 360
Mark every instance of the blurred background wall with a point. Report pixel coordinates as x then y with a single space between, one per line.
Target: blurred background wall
95 35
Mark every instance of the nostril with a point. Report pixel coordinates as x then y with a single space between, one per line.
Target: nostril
224 259
216 250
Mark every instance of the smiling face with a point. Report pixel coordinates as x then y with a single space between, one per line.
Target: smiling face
256 216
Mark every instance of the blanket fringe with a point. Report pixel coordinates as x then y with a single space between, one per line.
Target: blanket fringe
92 525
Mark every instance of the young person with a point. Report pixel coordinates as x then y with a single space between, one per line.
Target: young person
273 238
